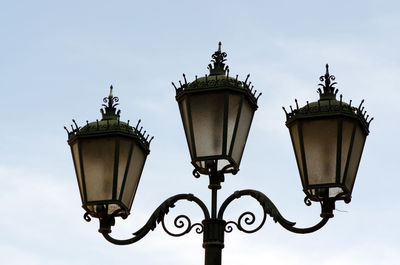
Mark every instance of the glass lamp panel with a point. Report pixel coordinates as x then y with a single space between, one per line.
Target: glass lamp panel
243 128
233 111
125 147
347 131
355 157
185 120
112 208
201 164
77 163
335 191
332 192
207 111
320 145
134 172
98 155
294 134
222 163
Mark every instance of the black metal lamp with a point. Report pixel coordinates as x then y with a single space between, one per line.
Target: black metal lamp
217 111
109 156
328 137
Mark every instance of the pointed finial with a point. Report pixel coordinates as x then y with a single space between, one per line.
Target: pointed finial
328 90
111 94
218 59
109 112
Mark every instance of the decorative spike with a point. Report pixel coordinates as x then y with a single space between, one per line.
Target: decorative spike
76 125
111 94
249 84
336 91
251 89
72 128
255 91
98 126
285 110
350 103
227 73
65 128
180 83
196 77
184 77
341 96
370 121
367 117
297 105
137 125
258 96
206 78
87 122
141 129
308 106
362 101
245 81
174 85
128 122
151 139
291 109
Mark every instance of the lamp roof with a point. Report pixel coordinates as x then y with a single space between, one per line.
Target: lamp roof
218 78
328 105
110 124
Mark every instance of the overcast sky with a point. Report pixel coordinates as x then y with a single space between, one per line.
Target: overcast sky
58 59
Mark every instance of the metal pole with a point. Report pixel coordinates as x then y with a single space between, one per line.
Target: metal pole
213 240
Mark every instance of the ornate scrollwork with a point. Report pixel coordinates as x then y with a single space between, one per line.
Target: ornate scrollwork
87 218
158 217
196 173
269 209
328 87
247 218
182 221
307 201
110 106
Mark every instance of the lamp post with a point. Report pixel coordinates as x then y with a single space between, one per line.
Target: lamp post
328 137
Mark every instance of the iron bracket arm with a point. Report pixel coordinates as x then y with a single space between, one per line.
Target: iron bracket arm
156 218
269 209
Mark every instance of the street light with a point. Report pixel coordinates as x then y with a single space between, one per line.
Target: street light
328 137
109 156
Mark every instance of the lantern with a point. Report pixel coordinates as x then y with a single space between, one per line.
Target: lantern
328 138
217 111
108 156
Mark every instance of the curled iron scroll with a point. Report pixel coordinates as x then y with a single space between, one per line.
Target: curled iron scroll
269 209
158 217
182 221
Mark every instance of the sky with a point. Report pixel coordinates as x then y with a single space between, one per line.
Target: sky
58 59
